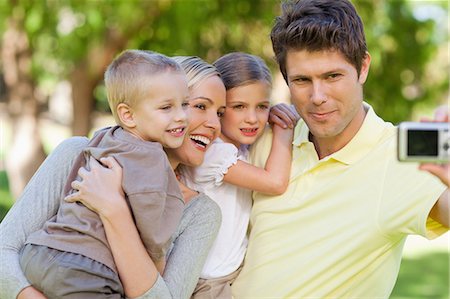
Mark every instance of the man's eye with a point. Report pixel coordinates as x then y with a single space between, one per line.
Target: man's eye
334 76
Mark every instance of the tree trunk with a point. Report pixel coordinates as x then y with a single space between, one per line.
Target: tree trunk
26 153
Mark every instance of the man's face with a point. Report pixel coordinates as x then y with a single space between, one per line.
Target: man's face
327 92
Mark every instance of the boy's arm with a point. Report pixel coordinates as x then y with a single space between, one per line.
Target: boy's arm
274 177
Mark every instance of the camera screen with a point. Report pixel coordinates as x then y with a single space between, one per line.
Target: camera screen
422 143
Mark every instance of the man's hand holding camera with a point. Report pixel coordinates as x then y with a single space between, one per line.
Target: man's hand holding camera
442 171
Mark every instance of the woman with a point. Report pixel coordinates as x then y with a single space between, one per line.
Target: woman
191 242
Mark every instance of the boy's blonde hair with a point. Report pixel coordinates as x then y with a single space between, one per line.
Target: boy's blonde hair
196 69
126 78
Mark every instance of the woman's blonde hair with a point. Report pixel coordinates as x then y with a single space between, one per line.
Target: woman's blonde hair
196 69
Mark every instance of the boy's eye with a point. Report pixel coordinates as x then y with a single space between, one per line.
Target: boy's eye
185 104
263 107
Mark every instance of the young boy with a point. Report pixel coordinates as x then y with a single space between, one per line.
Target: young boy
70 255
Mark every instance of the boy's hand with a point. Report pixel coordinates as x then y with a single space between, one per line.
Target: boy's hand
283 115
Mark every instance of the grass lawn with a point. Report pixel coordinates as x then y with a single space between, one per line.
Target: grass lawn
424 273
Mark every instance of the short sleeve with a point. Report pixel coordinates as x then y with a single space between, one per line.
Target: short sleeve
407 198
218 159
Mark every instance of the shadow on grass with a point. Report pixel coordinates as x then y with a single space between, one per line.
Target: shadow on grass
425 276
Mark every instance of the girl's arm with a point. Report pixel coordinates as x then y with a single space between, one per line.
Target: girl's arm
274 177
100 190
38 203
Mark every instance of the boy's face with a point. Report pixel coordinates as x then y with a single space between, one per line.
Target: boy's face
246 114
161 116
327 92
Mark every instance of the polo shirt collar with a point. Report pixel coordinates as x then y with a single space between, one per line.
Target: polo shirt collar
365 139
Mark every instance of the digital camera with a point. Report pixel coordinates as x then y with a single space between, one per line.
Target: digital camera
423 142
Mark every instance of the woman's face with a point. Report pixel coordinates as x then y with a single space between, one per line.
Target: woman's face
206 105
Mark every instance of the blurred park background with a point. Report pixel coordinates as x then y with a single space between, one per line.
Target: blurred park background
53 54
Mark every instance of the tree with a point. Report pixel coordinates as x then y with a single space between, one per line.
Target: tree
74 41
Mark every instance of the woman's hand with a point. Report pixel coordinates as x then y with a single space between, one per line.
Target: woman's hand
30 293
100 188
284 115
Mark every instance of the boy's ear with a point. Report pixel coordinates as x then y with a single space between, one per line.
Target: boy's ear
125 115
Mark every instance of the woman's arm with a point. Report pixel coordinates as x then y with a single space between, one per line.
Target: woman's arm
100 191
38 202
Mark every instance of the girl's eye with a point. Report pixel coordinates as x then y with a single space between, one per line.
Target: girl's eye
238 107
167 107
263 107
185 104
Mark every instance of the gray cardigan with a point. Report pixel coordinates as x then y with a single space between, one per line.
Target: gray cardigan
40 201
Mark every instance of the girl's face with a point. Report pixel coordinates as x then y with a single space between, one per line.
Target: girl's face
206 106
246 114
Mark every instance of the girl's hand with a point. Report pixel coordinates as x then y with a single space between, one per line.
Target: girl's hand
100 189
442 171
283 115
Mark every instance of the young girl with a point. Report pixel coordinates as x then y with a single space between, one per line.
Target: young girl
228 178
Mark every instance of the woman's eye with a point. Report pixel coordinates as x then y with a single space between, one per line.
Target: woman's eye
220 113
167 107
200 106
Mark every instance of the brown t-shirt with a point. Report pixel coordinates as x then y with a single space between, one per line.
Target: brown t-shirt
152 193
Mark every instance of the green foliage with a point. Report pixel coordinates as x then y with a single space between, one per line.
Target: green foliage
409 61
6 200
404 57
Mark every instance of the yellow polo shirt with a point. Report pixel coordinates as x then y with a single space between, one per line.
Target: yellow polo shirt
339 229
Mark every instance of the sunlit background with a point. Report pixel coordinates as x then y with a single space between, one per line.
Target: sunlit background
53 54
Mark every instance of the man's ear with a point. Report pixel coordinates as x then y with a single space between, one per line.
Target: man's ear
125 115
365 66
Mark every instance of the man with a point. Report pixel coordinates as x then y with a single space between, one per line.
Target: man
339 229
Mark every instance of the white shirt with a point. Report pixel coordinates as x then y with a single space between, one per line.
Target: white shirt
227 252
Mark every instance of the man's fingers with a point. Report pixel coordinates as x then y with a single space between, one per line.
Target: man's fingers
278 121
442 114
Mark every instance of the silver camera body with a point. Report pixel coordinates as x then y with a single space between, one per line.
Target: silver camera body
424 142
